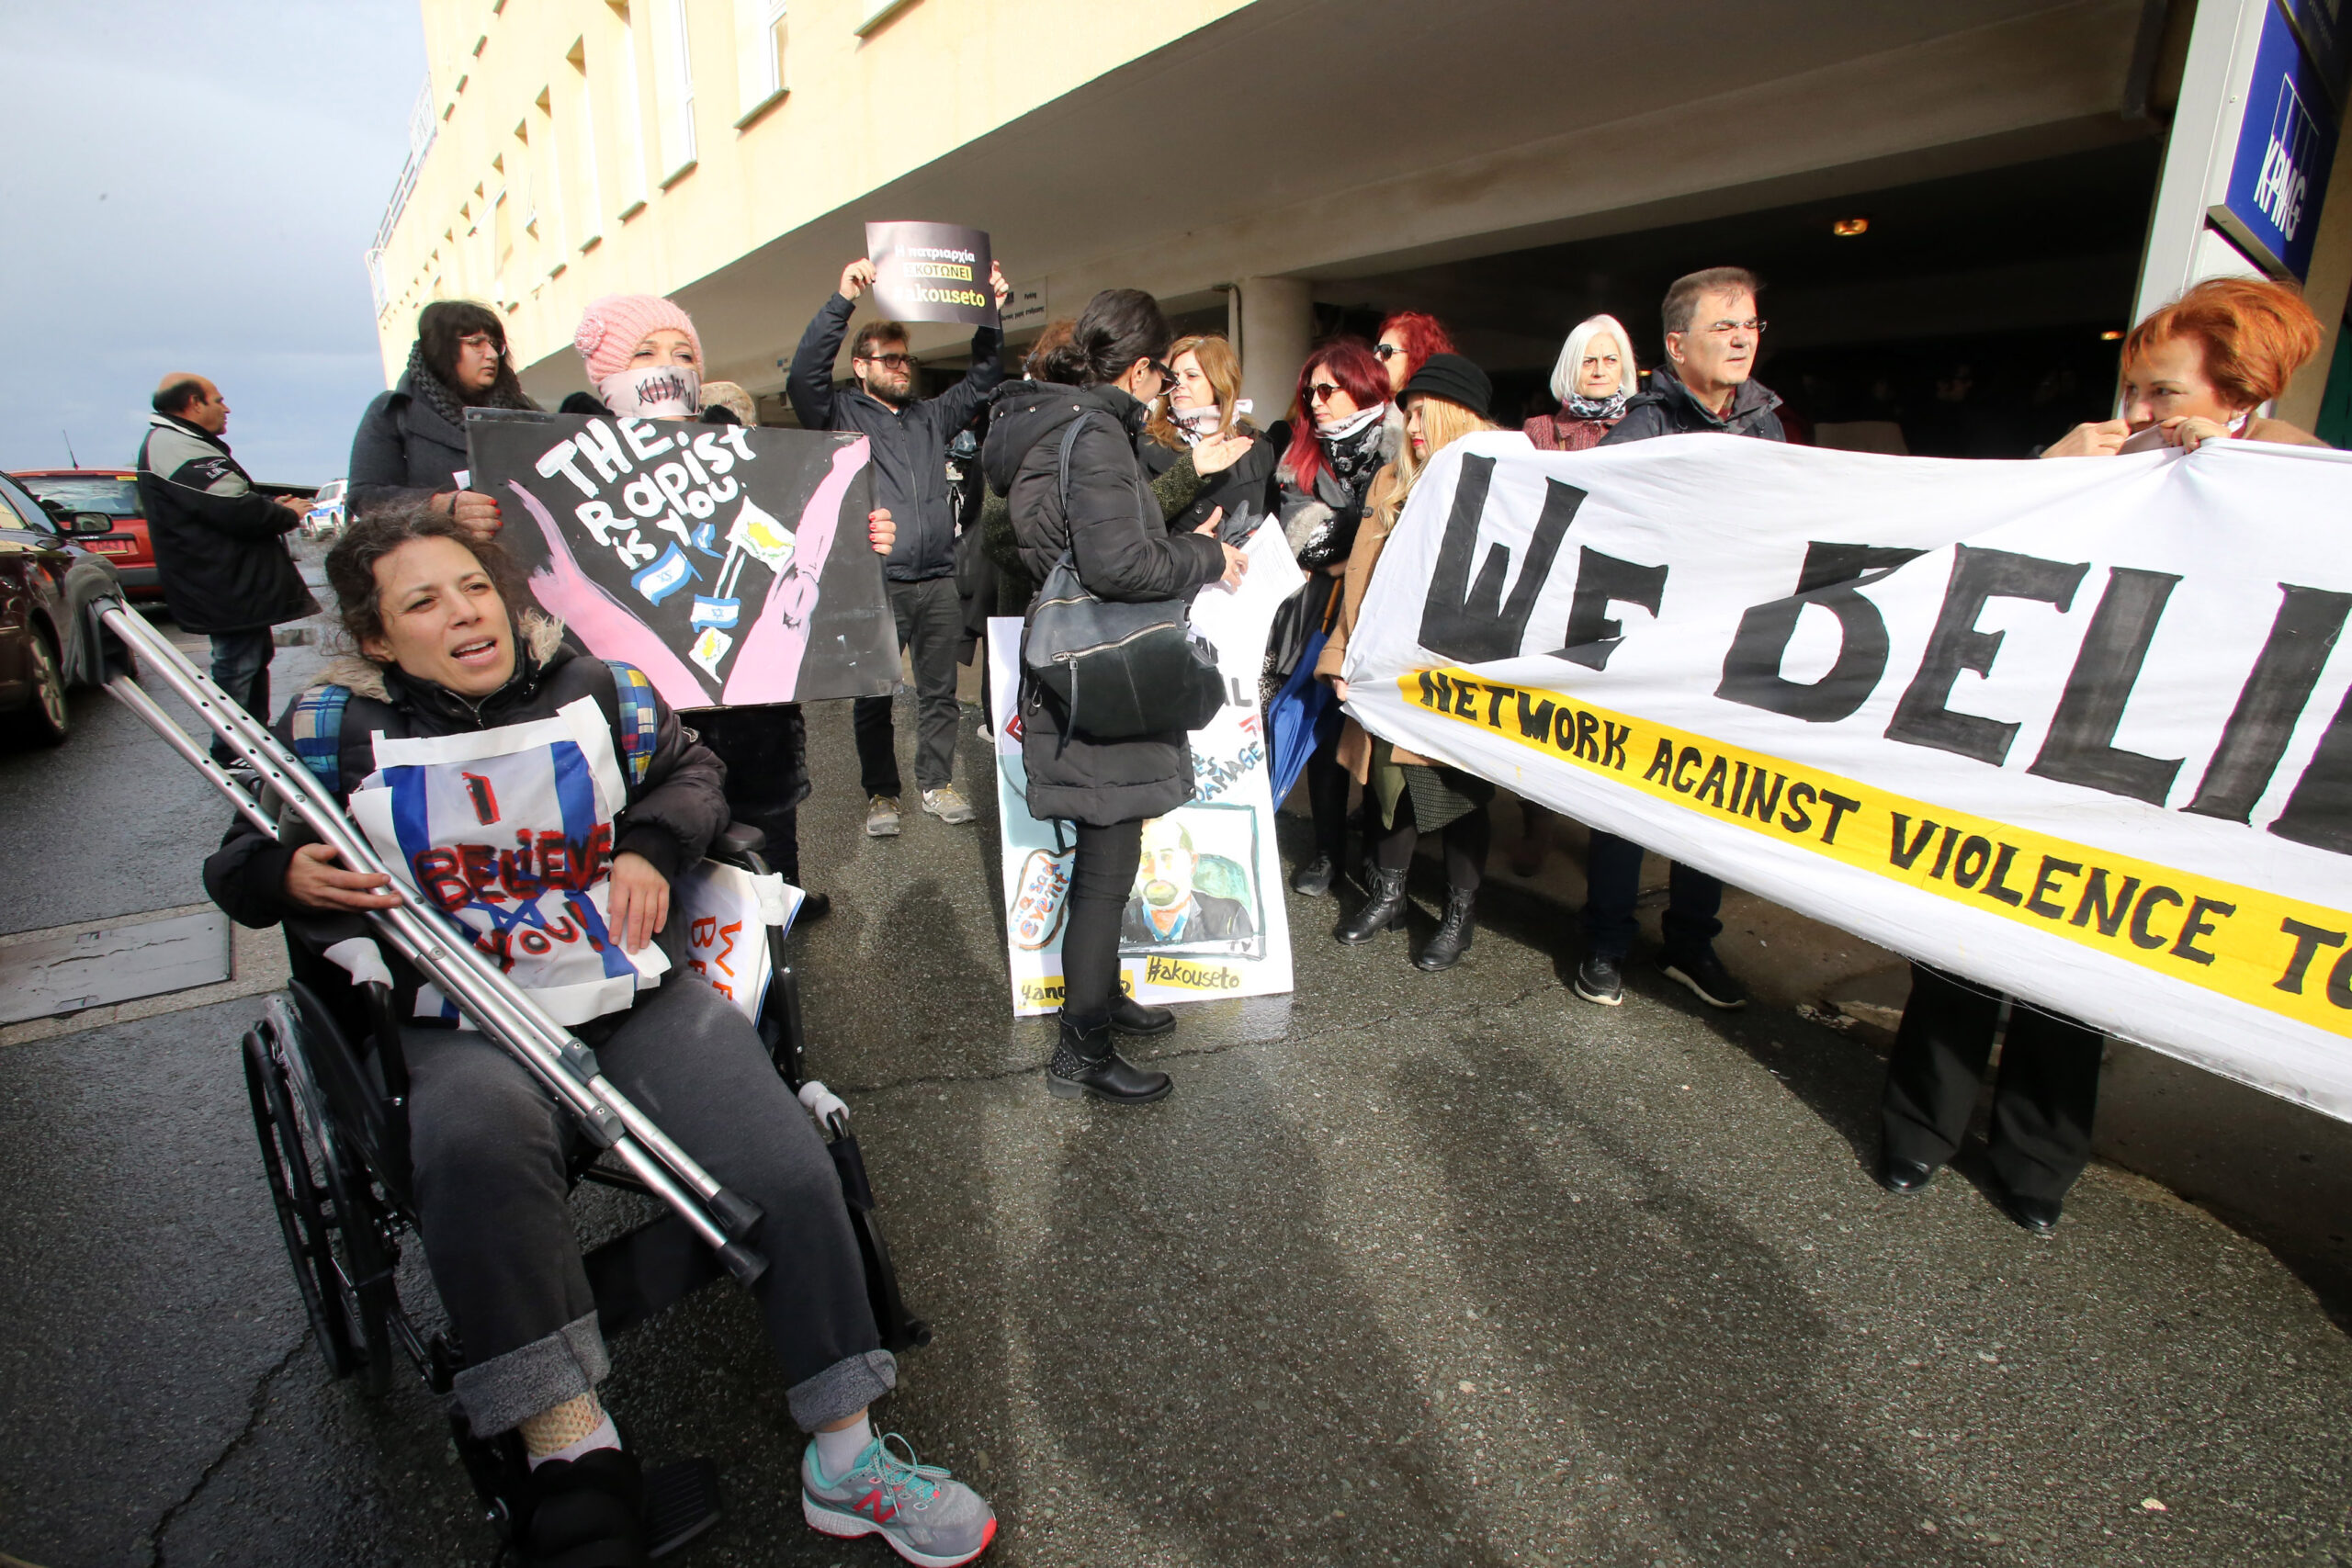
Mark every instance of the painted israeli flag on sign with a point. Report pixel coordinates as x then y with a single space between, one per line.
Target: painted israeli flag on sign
665 576
507 833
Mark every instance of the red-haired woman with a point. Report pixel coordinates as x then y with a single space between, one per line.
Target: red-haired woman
2193 372
2197 369
1406 342
1343 431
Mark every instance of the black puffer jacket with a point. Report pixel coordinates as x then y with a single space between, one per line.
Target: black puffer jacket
671 819
217 541
408 447
1123 553
1668 409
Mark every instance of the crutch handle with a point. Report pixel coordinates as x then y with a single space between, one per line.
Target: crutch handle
739 1215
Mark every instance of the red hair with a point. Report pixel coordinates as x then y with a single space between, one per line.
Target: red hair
1360 374
2256 336
1420 335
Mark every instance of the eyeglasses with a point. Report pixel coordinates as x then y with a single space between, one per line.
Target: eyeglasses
1319 392
1387 351
1724 329
484 342
893 361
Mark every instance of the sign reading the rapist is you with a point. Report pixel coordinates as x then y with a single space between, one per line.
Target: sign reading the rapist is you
931 272
2078 729
731 565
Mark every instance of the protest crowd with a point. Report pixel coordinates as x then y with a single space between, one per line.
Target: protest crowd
1117 460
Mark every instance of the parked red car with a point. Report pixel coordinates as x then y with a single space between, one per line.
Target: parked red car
115 493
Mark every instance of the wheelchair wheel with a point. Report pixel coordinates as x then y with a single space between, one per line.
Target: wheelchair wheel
342 1261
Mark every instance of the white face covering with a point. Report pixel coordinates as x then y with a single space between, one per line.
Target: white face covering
1198 424
654 391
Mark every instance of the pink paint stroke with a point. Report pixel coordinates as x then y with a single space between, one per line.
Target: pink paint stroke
603 621
767 667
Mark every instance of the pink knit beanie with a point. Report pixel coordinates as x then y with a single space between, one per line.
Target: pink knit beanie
612 327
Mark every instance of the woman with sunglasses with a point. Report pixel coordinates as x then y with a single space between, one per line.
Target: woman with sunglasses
1405 343
1101 511
412 441
1343 432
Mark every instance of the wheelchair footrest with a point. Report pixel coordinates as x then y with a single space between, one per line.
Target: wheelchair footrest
680 1502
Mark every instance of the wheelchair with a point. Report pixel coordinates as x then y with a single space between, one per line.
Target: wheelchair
327 1080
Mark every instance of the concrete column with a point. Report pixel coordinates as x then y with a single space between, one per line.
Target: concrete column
1277 320
2182 248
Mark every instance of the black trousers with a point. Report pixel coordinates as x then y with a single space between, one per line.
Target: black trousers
766 752
1466 839
1102 874
2042 1106
931 622
1612 885
1327 785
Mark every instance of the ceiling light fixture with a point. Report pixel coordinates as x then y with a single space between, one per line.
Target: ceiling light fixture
1846 228
2112 334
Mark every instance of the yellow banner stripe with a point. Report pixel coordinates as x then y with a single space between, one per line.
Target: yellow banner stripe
2279 954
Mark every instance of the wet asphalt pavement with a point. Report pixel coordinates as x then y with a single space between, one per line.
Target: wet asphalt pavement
1411 1269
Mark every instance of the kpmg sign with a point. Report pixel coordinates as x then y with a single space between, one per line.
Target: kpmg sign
2286 148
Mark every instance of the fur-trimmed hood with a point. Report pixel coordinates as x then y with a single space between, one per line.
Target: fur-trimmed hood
542 634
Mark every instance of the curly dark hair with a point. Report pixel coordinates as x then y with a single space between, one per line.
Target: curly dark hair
351 565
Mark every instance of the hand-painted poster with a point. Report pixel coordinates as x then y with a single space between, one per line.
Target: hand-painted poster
731 565
931 272
1206 917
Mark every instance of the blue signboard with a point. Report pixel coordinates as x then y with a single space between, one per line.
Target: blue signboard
2320 24
2285 151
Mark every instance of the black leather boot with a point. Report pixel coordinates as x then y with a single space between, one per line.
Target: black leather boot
1085 1063
1453 932
1385 911
1129 1016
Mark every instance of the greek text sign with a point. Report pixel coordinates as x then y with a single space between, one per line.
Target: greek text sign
931 272
2077 729
731 565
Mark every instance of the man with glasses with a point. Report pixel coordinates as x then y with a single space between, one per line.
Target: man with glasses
909 437
1712 331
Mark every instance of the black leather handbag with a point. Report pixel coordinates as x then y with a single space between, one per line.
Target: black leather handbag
1116 670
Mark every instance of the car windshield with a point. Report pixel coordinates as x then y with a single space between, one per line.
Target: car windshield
86 492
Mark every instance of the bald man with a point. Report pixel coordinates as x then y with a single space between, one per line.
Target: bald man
219 543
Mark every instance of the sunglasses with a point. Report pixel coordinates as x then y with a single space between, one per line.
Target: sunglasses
1321 392
1387 351
893 361
1167 377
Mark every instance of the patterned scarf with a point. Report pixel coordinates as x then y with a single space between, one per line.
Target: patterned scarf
1608 410
439 396
1352 448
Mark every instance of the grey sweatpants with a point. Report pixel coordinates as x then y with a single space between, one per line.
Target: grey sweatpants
491 1148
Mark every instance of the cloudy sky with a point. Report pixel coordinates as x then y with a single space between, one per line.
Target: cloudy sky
192 188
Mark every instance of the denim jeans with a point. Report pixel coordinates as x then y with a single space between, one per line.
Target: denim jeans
241 668
1612 886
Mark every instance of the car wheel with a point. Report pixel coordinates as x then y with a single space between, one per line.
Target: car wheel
52 716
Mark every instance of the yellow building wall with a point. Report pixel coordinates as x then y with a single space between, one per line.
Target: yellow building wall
560 170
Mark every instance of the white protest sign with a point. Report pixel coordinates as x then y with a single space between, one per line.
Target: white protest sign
2074 729
1205 918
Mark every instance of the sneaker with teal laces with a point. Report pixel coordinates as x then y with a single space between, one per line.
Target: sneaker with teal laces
928 1516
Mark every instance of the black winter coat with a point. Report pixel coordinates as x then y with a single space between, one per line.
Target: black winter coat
1123 553
910 445
671 819
217 539
1668 409
404 449
1247 483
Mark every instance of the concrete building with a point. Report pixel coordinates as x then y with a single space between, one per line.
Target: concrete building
1292 167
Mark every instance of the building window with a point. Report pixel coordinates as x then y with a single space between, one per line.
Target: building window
553 238
632 91
590 205
673 90
758 57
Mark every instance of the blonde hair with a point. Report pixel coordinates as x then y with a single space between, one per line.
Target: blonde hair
1570 365
733 398
1223 368
1444 423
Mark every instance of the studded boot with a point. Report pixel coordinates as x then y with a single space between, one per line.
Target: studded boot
1084 1064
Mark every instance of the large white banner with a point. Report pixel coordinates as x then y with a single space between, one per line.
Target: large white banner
1205 918
2075 728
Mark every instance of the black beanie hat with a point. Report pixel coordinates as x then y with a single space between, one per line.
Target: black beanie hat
1455 378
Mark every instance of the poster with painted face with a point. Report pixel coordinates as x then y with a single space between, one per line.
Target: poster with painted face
731 565
1204 916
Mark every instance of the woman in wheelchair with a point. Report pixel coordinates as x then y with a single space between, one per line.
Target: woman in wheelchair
442 655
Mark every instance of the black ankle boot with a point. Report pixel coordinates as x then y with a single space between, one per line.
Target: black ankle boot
1085 1063
1384 912
1129 1016
1453 932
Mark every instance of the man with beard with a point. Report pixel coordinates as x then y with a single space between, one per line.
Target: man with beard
908 438
1167 908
